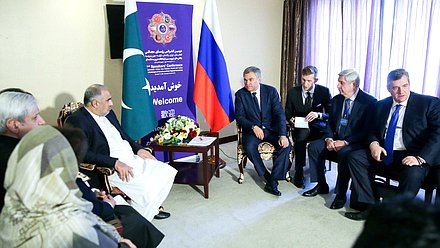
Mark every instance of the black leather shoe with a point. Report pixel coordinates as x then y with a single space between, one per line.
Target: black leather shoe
357 215
338 202
298 181
162 215
318 189
272 190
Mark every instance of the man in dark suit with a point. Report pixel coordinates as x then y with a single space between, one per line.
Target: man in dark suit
259 112
139 175
19 114
404 138
309 101
348 118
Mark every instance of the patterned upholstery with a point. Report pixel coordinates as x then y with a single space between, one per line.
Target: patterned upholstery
266 150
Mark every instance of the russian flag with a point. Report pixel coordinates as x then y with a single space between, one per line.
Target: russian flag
212 91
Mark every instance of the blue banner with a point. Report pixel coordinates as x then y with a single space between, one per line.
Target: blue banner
166 31
166 34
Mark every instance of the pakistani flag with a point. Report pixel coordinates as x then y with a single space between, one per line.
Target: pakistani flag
138 116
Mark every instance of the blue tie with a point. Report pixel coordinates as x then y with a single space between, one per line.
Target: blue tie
389 138
344 120
346 108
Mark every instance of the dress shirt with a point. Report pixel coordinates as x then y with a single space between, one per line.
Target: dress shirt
257 95
304 93
398 139
352 98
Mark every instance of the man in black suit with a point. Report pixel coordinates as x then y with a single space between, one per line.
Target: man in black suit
139 175
309 101
19 114
259 112
404 138
348 118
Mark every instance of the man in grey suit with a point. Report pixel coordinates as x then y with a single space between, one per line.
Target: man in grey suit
259 112
404 138
345 132
309 101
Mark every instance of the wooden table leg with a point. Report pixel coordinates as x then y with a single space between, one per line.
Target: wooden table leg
217 165
205 174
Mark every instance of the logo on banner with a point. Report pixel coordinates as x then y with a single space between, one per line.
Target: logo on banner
162 28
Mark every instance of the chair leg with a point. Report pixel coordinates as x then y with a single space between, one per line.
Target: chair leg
242 159
437 198
288 177
329 165
428 195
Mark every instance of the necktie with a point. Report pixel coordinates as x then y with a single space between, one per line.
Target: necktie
308 100
344 120
346 108
254 97
389 138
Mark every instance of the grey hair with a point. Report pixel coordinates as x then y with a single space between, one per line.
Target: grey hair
92 93
253 69
396 75
16 105
350 75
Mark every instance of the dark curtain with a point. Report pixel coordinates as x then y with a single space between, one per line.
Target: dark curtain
294 19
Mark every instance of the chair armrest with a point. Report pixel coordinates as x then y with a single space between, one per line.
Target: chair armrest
105 170
149 149
90 167
85 166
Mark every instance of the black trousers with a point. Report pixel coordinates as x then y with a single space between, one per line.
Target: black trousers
136 228
318 153
363 168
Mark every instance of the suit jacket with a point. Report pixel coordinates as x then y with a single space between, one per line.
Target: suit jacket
100 208
7 145
272 114
358 124
98 151
295 105
420 129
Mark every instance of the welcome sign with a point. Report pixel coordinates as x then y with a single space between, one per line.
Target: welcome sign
166 31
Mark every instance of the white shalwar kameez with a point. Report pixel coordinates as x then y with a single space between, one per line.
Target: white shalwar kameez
152 179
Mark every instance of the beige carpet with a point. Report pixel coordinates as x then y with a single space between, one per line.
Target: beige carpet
245 216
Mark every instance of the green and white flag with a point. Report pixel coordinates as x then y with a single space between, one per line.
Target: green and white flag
138 115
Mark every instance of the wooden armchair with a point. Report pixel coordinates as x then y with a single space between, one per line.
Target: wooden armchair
102 172
267 151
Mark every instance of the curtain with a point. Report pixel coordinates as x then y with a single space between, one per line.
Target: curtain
374 37
294 15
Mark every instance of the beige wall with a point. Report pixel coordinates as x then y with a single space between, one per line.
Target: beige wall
56 48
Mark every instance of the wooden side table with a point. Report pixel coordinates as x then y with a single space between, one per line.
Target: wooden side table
194 173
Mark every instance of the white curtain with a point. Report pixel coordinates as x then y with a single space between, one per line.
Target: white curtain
375 37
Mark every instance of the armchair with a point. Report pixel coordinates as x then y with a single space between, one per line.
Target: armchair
102 172
267 151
